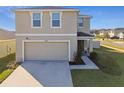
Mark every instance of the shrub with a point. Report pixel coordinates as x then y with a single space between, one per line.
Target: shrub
12 65
77 57
93 56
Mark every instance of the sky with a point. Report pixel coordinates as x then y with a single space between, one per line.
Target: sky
103 16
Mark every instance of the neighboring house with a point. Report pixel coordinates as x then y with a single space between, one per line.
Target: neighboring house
111 33
119 32
95 32
121 35
51 33
103 33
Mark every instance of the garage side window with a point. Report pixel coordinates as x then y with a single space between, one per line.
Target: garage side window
36 20
55 20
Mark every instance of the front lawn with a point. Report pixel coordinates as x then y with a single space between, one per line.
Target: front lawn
7 65
111 71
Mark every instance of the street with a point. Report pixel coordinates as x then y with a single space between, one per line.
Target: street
116 44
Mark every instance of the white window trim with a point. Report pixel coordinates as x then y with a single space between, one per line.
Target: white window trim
40 19
60 19
24 41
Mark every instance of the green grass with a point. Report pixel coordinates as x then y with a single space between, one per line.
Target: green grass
111 71
5 74
5 69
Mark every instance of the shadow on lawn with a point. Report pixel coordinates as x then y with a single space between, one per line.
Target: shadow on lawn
106 62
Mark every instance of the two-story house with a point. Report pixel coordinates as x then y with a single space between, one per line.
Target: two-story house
51 33
118 32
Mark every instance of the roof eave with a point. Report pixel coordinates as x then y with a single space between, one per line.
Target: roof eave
41 10
85 38
86 16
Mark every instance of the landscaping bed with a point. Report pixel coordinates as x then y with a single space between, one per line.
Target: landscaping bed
76 63
78 54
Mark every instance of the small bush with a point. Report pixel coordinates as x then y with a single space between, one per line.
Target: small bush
77 57
12 65
93 56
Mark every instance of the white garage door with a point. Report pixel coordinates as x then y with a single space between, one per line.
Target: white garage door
45 51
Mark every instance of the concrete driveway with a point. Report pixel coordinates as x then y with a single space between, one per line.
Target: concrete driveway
46 73
50 73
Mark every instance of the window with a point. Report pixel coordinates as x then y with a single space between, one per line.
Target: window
55 19
36 20
80 22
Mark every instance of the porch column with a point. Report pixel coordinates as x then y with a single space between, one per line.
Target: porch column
91 45
85 45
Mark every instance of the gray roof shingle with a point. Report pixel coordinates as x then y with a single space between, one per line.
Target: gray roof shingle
82 34
46 7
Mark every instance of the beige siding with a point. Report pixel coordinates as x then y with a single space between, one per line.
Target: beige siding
73 45
69 23
23 26
86 26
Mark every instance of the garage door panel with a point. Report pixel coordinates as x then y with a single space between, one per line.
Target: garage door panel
46 51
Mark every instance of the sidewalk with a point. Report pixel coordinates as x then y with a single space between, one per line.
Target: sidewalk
20 78
120 50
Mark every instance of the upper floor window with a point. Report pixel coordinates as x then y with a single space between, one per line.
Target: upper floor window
56 19
80 22
36 20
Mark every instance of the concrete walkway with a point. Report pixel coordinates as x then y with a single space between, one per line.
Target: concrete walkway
88 64
20 78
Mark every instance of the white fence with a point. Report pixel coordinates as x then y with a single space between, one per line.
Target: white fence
96 44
